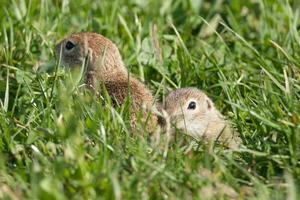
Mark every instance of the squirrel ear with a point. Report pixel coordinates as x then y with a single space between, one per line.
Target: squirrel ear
209 104
161 116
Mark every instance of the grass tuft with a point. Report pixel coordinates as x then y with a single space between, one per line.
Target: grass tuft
58 140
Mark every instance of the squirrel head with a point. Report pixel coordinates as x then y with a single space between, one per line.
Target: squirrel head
91 49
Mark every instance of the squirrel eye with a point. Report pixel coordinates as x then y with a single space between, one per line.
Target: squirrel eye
192 105
70 45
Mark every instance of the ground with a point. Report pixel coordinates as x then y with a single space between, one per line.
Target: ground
60 141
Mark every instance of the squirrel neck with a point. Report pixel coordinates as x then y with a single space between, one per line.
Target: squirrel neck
222 131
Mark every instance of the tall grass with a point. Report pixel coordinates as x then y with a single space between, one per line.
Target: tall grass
60 141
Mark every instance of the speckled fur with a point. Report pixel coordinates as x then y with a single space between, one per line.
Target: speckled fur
141 98
203 122
105 66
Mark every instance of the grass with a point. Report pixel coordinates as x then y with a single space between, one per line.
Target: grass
243 54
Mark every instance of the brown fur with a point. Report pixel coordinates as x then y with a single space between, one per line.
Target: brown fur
105 66
203 122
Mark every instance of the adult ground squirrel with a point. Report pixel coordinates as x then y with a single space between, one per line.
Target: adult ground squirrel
104 67
190 110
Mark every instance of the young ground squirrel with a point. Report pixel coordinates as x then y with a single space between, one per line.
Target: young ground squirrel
190 110
104 67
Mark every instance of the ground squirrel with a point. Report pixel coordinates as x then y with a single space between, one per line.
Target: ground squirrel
190 110
104 66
